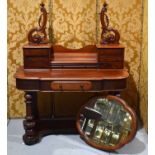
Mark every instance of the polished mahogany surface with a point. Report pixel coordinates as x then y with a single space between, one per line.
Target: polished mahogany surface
53 68
71 79
57 56
71 74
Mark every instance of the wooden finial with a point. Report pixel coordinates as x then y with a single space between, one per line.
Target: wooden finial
38 35
108 35
42 4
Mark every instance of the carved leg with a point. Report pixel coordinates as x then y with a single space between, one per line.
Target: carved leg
31 136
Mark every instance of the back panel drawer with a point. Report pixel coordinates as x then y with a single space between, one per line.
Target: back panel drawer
108 58
36 62
111 65
36 52
111 55
37 56
111 51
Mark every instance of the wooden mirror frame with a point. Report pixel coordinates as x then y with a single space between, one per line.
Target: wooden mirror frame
121 143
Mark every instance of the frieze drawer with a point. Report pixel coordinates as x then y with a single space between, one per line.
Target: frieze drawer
71 85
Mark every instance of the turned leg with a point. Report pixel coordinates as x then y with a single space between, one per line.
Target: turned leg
31 136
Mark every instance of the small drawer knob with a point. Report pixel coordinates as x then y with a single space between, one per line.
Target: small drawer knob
60 87
82 87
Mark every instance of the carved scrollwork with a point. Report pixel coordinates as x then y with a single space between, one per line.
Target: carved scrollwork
38 35
108 35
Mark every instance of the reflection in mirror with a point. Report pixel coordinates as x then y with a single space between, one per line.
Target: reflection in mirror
107 123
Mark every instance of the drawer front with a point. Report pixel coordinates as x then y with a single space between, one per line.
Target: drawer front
36 62
36 52
111 65
108 58
111 51
36 58
110 55
71 85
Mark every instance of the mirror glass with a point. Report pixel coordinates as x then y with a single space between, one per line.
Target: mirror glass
106 122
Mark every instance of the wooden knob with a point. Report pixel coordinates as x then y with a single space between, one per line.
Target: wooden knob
82 87
61 88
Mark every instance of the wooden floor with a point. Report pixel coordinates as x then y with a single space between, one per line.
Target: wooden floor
67 144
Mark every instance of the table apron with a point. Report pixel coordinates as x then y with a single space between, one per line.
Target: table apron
71 86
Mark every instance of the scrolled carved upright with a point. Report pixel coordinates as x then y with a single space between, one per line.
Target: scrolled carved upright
108 35
37 35
31 136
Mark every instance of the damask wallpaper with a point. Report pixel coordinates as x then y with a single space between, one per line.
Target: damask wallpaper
74 24
22 15
143 88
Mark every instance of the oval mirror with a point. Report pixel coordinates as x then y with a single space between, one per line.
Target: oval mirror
106 123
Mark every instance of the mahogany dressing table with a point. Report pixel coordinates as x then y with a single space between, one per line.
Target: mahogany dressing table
53 68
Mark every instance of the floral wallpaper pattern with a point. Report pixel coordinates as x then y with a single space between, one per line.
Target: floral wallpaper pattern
143 87
74 23
22 15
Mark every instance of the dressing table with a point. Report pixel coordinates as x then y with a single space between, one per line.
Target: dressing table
54 68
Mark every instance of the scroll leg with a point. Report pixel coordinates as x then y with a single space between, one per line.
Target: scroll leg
31 136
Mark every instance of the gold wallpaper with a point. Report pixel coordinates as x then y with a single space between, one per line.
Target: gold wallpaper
73 24
143 89
22 15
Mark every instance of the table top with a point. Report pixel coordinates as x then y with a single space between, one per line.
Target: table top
71 74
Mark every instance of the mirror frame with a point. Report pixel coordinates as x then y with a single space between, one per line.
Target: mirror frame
121 143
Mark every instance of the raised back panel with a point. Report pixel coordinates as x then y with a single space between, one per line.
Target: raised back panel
73 57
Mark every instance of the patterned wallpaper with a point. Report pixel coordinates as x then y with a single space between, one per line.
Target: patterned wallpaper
22 15
143 89
73 23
